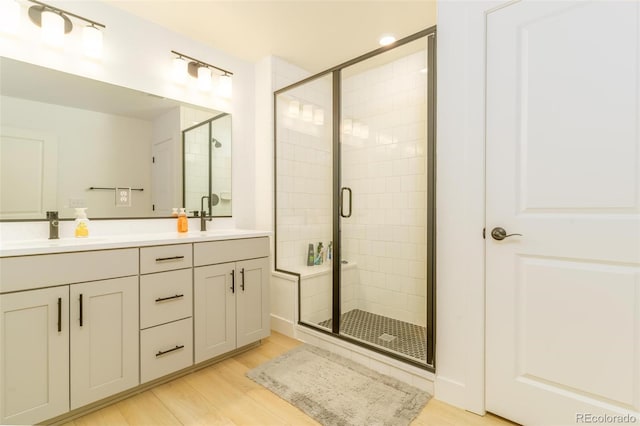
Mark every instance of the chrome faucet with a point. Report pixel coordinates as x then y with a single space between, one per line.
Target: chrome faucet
203 213
53 225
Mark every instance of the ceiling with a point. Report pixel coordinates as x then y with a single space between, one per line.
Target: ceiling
314 35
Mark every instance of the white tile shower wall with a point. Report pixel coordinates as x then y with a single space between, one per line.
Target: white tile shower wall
384 162
304 175
316 292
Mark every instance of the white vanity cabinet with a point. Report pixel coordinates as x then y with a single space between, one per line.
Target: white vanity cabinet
166 306
231 295
104 339
82 325
34 360
50 362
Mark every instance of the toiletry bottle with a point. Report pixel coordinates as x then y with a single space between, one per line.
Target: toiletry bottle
330 251
82 223
318 260
310 256
183 222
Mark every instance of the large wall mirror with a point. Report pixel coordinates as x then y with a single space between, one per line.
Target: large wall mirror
68 141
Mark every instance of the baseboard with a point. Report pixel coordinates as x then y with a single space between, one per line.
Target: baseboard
451 392
282 326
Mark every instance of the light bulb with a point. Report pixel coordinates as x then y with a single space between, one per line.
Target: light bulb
179 71
386 40
318 117
9 16
92 41
307 113
205 80
225 86
52 28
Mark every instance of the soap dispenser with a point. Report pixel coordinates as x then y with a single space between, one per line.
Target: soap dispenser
183 222
82 223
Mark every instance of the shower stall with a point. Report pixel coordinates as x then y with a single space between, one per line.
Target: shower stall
354 198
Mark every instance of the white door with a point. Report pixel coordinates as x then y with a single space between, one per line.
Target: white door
104 339
214 310
252 302
34 355
28 173
563 170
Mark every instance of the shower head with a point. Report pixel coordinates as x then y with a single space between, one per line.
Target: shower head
216 142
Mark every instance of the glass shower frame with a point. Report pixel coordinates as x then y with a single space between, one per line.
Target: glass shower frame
336 114
209 142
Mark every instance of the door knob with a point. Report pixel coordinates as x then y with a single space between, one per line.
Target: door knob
500 234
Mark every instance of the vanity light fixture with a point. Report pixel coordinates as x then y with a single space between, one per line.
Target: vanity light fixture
180 72
9 16
55 23
92 41
53 28
225 86
205 79
318 117
202 71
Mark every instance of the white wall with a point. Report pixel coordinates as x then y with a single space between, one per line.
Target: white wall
137 55
460 203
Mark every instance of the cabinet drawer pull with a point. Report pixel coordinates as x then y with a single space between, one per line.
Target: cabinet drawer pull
59 314
168 259
81 309
242 283
233 281
162 299
160 353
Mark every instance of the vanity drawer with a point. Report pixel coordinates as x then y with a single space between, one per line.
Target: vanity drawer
165 297
165 258
165 349
213 252
29 272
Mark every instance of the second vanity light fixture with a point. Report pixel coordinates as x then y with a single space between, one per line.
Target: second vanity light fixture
185 66
55 23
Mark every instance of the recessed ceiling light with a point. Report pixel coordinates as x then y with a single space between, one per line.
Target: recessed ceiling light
386 40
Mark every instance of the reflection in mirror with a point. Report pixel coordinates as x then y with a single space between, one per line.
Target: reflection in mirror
207 166
62 134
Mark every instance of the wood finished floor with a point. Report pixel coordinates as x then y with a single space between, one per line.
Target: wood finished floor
222 395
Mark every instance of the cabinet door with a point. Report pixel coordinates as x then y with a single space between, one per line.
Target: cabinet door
34 355
214 314
104 339
252 301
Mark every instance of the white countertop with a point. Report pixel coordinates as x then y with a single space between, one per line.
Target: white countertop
66 245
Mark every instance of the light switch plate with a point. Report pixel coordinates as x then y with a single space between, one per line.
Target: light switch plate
123 197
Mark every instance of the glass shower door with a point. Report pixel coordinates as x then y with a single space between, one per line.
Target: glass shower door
383 215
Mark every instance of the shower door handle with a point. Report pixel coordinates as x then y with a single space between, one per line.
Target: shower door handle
342 190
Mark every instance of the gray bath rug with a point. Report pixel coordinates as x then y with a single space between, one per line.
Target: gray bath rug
337 391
